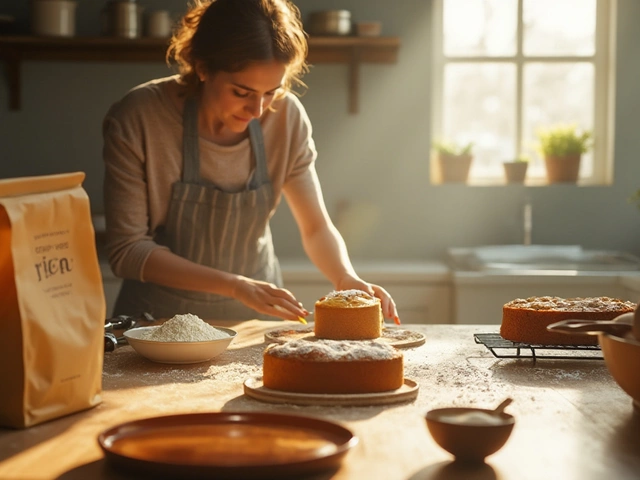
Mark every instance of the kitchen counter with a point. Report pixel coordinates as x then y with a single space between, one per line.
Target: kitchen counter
421 289
479 297
572 420
373 270
632 283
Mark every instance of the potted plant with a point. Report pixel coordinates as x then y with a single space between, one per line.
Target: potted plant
515 170
453 161
562 147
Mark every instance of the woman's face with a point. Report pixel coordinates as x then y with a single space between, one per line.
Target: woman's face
232 100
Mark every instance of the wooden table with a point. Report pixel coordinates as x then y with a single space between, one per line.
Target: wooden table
572 420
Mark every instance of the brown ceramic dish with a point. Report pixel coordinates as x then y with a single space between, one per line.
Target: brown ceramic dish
620 349
227 445
622 357
469 442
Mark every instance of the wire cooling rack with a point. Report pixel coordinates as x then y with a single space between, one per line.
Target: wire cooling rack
501 348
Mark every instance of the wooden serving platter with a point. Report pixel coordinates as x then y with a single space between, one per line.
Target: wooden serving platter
394 336
253 387
227 445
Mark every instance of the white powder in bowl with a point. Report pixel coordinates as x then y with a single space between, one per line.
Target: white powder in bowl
184 328
473 418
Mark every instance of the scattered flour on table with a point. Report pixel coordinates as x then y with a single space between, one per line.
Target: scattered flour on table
184 328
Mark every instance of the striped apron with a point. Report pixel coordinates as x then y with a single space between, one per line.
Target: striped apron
222 230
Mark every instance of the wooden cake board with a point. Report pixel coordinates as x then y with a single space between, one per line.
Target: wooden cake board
394 336
253 387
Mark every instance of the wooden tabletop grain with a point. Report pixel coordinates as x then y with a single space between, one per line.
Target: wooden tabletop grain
572 419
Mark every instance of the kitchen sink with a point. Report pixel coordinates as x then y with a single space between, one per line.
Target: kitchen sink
518 258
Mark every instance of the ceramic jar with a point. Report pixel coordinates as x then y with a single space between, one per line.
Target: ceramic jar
54 18
122 18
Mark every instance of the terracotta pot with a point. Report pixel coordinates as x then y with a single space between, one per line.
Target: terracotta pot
562 169
454 168
515 172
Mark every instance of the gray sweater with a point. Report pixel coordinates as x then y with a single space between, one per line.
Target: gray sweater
143 158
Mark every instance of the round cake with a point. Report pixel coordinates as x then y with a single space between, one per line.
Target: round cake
525 320
348 315
332 366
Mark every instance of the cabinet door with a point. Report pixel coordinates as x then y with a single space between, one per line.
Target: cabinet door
482 303
631 295
422 304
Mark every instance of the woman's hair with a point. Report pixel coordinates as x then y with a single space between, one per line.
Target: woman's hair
227 35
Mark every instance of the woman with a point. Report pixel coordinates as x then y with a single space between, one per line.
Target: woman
196 165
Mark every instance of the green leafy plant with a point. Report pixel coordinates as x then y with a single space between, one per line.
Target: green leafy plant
563 140
452 148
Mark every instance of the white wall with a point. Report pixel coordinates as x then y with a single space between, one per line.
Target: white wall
375 161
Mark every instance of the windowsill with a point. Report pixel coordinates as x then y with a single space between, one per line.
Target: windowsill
529 182
532 184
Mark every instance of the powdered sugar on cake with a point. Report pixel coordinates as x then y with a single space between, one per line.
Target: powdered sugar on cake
323 350
184 328
348 298
578 304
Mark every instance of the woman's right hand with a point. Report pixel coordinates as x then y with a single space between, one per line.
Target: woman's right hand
265 297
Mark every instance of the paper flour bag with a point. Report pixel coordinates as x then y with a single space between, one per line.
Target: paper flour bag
52 306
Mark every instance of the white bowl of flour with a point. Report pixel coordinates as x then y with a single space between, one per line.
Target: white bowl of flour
180 340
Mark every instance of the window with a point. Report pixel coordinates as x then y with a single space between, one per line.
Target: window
503 69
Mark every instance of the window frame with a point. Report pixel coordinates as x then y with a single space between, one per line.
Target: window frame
603 103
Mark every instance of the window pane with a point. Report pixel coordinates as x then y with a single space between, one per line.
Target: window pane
559 27
480 27
544 85
479 106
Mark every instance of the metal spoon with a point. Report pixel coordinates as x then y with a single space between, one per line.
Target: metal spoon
591 327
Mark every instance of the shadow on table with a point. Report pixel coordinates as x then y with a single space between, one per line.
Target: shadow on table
549 372
98 469
244 403
15 441
101 470
625 438
455 471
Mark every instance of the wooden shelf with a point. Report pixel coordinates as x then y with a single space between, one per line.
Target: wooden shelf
15 49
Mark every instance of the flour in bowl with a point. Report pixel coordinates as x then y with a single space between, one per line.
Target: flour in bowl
184 328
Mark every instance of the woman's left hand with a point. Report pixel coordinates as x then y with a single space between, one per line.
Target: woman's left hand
387 304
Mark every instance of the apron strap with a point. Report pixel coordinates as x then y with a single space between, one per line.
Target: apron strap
190 147
260 175
191 151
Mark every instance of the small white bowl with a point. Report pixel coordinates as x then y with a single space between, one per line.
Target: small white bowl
177 352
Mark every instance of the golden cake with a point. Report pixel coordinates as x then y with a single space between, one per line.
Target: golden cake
348 315
526 319
332 366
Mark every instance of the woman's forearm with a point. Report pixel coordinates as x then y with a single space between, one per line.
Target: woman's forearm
327 250
166 268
